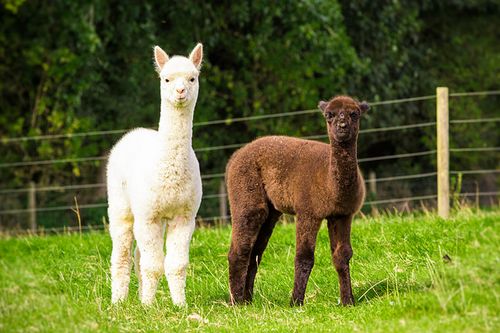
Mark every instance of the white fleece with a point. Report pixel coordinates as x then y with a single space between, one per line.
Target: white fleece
154 183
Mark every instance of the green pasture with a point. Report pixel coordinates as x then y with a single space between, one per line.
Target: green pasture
410 273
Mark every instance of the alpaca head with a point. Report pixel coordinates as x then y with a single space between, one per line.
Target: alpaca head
342 114
179 76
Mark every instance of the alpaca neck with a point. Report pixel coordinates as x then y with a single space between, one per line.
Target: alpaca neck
176 124
343 166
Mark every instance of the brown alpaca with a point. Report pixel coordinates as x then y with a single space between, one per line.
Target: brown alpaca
313 180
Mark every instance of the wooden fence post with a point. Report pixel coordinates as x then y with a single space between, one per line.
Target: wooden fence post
222 201
372 182
32 206
443 153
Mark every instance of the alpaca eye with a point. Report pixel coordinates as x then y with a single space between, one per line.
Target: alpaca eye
191 79
354 115
167 80
329 115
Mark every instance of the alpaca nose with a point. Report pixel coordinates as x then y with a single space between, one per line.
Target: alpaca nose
342 125
180 90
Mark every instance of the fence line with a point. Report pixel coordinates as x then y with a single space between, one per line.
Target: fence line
222 147
43 230
390 157
46 162
366 159
480 194
476 93
216 218
60 136
360 160
468 172
211 196
102 205
202 149
206 123
53 188
258 117
90 159
121 131
477 120
460 150
423 197
213 175
238 145
428 197
218 175
50 209
230 121
322 136
420 175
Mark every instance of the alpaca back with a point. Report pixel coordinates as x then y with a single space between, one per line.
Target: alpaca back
288 168
294 173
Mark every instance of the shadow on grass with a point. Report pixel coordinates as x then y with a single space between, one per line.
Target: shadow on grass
364 294
386 287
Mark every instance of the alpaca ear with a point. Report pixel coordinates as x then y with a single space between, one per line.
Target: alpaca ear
161 58
322 105
363 106
196 55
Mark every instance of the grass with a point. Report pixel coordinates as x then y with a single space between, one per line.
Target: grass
413 273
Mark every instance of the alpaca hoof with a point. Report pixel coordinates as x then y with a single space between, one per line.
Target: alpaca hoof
239 301
117 299
180 304
348 301
147 301
179 300
247 298
296 302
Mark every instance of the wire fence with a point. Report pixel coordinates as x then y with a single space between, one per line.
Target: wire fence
211 122
202 149
239 145
220 175
222 219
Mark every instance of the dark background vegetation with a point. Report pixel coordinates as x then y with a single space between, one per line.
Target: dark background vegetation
78 66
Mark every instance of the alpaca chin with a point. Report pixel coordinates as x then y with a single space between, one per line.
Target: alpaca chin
180 103
342 136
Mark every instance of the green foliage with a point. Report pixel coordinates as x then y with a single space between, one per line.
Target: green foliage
78 66
12 5
462 64
409 274
261 57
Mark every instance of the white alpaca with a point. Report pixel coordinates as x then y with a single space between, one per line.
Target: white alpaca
154 183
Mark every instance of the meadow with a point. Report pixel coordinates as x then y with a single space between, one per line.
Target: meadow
410 273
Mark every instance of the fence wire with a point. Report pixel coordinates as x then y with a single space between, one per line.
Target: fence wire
98 227
229 121
240 119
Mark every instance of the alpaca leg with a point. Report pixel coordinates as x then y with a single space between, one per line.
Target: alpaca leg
137 268
149 236
137 265
258 249
179 234
306 233
122 237
339 230
245 230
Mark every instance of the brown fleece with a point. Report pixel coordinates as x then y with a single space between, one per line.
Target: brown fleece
313 180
